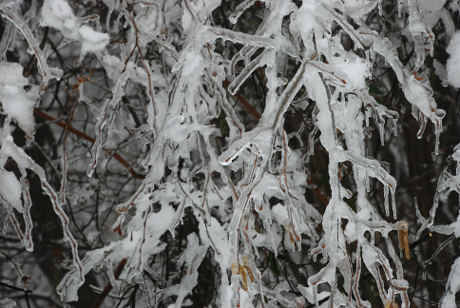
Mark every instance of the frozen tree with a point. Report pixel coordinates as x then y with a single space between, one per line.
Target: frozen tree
213 153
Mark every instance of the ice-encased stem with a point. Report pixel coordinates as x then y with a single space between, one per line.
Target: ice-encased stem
41 59
102 127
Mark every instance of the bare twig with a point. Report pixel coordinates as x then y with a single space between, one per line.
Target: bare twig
81 134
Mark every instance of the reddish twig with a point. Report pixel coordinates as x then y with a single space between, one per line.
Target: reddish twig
81 134
243 101
109 286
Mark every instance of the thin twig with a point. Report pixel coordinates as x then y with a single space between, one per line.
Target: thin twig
81 134
109 286
243 101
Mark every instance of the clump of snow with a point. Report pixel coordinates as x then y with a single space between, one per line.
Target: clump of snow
58 14
452 287
453 63
192 64
280 214
10 190
161 221
92 41
303 21
16 102
356 70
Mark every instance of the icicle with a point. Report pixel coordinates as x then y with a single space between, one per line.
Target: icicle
367 115
380 7
311 143
422 127
395 127
267 223
382 133
400 6
28 243
437 132
373 168
386 191
393 202
417 93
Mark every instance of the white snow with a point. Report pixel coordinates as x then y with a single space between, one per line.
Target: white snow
234 215
356 69
453 63
16 102
10 190
92 41
59 15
